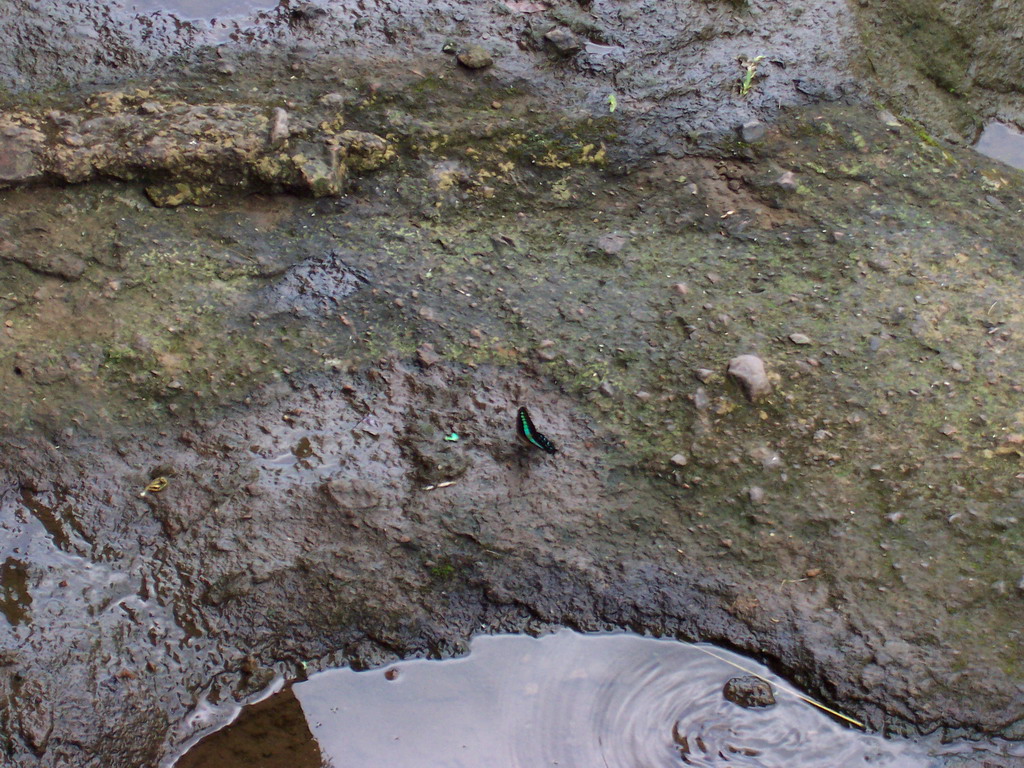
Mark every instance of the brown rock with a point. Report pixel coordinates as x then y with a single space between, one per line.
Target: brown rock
475 57
749 372
426 356
749 691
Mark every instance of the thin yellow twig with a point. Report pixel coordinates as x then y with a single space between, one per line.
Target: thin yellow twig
788 690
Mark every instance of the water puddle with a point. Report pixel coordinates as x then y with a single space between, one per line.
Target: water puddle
195 10
571 700
1001 142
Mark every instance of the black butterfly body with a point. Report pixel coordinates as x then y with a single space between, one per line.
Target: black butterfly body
529 433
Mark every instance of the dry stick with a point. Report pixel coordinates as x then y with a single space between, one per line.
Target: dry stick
799 695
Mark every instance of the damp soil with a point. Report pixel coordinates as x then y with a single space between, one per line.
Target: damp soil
292 367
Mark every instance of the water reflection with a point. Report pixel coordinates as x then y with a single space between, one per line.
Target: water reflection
575 701
1001 142
203 9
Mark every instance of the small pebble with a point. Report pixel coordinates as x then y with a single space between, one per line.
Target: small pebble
680 460
475 57
787 181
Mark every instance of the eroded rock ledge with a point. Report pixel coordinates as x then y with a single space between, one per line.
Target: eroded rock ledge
187 153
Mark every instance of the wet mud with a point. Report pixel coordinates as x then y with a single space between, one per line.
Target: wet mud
296 369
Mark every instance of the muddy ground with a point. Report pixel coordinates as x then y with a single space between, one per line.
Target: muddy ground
292 366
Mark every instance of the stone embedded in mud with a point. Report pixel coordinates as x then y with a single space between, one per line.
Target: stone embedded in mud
752 131
278 128
362 152
60 264
22 144
680 460
351 493
426 356
749 372
749 691
475 57
562 40
787 181
187 153
611 244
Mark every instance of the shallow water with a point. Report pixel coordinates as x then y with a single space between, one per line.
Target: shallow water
1001 142
203 9
565 699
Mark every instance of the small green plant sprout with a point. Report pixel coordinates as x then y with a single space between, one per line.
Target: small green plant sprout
750 72
613 102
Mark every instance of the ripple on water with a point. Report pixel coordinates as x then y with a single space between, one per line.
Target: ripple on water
575 701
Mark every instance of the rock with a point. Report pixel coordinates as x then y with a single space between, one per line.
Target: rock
606 389
680 460
787 181
750 374
749 691
21 146
880 265
186 153
701 400
752 131
547 355
475 57
333 99
611 244
704 375
351 493
426 356
889 120
362 152
278 128
562 40
800 338
756 494
56 264
151 108
818 89
682 289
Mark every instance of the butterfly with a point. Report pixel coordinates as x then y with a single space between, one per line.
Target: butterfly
529 433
